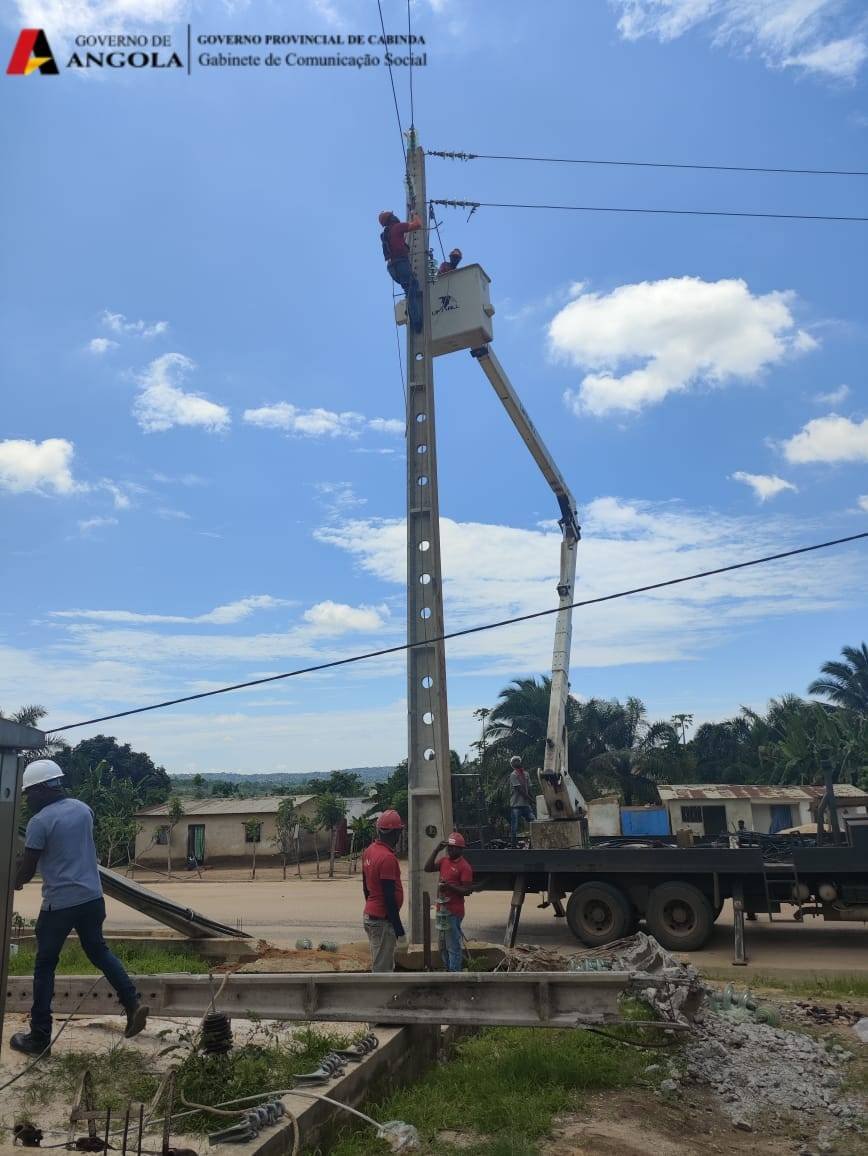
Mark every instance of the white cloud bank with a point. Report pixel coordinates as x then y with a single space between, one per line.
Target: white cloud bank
66 17
824 37
38 467
829 439
764 486
318 422
101 345
225 615
162 404
684 331
834 396
863 502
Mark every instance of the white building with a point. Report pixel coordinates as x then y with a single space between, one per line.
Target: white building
717 808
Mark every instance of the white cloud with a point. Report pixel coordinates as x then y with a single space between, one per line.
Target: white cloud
178 515
335 618
119 324
839 59
120 498
162 404
684 331
829 439
318 422
65 17
38 467
338 497
225 615
863 502
100 345
89 524
804 34
834 396
764 486
492 572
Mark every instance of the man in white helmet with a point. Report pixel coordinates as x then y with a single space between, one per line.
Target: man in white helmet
59 843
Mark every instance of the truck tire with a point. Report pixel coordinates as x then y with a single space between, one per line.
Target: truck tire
679 916
599 913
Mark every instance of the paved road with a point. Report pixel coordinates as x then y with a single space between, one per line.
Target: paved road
331 908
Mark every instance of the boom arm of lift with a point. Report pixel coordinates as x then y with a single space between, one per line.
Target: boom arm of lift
562 796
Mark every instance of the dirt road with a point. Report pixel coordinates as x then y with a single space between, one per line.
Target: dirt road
282 911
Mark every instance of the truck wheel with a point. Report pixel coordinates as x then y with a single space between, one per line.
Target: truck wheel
679 916
598 913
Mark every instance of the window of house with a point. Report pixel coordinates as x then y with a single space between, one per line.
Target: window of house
691 814
162 838
253 833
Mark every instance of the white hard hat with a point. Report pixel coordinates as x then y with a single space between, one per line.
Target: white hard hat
40 771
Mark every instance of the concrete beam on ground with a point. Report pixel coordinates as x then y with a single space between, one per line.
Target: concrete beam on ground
517 999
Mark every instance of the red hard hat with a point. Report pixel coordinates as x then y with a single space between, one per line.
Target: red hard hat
385 216
390 821
456 839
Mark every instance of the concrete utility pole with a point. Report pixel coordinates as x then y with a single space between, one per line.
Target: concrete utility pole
430 788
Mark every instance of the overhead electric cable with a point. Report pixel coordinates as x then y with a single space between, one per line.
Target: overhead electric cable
474 205
392 82
459 156
404 646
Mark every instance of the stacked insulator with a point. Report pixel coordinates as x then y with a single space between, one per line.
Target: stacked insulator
216 1037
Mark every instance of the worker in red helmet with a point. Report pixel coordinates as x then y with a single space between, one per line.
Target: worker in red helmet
393 240
456 879
451 263
384 895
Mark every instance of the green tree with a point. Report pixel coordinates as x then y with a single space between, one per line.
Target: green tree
252 833
845 683
681 722
637 753
285 829
151 782
174 814
344 784
308 826
198 785
31 716
330 812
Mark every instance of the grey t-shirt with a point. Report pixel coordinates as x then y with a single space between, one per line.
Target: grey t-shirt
519 790
62 832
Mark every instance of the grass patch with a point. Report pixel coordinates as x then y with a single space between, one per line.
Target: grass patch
138 959
265 1060
505 1086
819 987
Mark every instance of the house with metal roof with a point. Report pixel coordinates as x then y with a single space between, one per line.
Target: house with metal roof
220 832
720 808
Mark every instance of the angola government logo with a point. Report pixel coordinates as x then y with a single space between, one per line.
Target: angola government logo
32 53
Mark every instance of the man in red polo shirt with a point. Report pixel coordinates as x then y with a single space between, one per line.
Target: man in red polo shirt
381 884
456 877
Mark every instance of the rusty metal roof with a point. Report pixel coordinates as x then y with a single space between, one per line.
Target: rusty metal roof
687 792
260 805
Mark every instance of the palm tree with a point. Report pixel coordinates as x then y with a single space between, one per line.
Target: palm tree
637 752
846 683
31 716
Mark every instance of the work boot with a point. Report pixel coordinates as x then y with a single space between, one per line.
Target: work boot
137 1017
31 1043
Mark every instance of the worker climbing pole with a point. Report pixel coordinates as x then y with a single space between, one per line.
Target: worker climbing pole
430 792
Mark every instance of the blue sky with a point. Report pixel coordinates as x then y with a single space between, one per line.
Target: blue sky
201 464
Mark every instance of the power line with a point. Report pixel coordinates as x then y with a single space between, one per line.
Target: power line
465 632
392 82
459 156
474 205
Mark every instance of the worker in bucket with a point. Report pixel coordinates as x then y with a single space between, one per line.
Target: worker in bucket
451 263
394 242
521 802
456 881
59 843
381 883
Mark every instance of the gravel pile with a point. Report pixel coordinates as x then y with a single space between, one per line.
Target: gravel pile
762 1074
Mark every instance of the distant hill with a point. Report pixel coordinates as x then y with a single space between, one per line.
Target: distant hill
368 775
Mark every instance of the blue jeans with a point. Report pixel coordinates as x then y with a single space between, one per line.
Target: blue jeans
451 949
52 930
516 814
402 274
